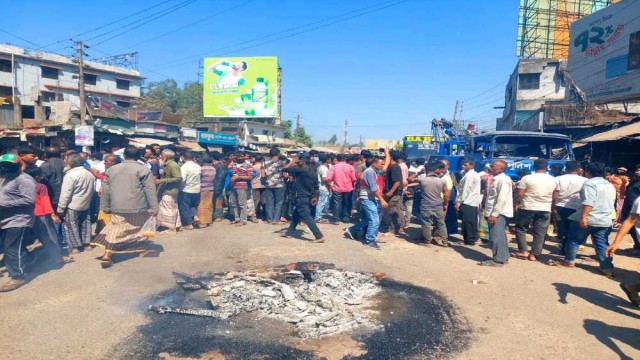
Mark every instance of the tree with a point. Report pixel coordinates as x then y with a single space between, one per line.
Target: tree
300 135
287 125
166 96
333 140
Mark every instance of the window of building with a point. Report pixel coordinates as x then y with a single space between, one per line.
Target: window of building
5 65
48 96
50 73
252 131
124 104
122 84
5 92
529 81
265 132
28 112
90 79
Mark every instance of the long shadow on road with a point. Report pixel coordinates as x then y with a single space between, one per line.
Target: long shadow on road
607 333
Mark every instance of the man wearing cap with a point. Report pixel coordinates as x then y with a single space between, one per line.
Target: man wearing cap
17 200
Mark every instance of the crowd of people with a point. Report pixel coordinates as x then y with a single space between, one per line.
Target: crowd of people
70 202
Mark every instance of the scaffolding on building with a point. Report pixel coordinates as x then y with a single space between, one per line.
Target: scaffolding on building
544 25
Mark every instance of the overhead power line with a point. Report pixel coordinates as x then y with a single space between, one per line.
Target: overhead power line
190 24
20 38
152 17
287 33
108 24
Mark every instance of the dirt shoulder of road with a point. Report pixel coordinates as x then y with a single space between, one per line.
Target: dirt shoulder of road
524 310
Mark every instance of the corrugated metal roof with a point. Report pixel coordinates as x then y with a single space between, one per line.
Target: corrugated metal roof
629 131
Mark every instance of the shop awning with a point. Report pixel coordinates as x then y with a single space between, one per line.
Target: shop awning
629 131
143 142
193 146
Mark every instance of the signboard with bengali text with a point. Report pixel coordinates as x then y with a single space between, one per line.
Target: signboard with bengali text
604 53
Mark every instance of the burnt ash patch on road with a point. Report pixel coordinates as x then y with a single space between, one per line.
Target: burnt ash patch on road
416 322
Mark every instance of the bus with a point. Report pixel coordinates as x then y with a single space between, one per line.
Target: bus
419 146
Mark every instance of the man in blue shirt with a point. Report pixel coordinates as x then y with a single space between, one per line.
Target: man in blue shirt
370 195
593 218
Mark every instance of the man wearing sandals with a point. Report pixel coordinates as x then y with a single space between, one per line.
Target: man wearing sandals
535 195
498 208
17 201
630 224
129 196
593 218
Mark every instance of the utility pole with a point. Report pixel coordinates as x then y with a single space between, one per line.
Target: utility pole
455 118
360 143
297 131
346 133
83 100
460 118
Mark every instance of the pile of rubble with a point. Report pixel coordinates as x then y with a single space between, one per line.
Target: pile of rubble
320 302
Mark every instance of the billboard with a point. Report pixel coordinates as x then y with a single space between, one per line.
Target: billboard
240 87
604 54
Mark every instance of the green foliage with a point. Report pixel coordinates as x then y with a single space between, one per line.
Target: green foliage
166 96
300 135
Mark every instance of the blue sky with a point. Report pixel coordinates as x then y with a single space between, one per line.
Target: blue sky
388 72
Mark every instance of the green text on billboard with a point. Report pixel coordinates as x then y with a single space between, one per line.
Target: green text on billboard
240 87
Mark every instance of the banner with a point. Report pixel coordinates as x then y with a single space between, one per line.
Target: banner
84 135
604 54
240 87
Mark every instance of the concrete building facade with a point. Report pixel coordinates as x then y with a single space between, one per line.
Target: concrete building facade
532 84
32 79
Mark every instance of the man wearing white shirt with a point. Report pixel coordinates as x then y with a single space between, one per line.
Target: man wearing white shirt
535 196
189 195
499 207
468 201
566 198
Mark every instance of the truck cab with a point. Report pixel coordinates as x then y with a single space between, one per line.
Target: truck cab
519 149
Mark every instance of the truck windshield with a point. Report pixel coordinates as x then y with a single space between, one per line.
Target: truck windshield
524 147
418 149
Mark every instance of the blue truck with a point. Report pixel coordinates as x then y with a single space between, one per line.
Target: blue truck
518 149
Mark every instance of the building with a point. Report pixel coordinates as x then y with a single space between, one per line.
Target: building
35 84
532 84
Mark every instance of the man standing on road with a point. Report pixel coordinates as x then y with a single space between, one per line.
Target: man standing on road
498 208
241 174
218 186
630 224
324 195
370 196
341 176
393 195
593 218
129 196
189 195
433 204
52 174
275 186
468 201
305 196
168 187
78 188
17 201
535 193
633 192
566 198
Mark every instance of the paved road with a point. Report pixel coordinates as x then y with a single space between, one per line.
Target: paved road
522 311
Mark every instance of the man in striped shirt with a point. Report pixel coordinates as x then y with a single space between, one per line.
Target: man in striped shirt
242 173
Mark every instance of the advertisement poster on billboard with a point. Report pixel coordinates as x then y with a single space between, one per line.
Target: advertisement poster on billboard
240 87
604 54
84 135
